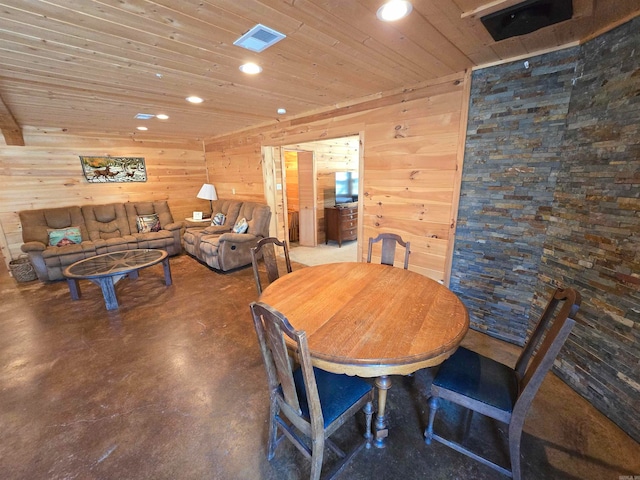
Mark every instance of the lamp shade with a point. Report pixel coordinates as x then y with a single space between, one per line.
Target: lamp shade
207 192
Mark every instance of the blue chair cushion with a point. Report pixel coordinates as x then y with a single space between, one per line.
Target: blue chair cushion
337 393
480 378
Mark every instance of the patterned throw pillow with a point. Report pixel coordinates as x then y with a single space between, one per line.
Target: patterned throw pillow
148 223
241 226
64 236
218 219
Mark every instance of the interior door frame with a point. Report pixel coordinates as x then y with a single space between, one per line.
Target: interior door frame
308 216
277 199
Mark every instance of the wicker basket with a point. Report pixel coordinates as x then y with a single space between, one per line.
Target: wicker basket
22 270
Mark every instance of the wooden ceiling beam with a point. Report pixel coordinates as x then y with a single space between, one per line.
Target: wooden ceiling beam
9 127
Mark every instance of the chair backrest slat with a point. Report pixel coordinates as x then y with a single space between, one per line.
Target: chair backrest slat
271 262
388 251
540 365
266 250
274 352
282 363
568 300
272 327
538 355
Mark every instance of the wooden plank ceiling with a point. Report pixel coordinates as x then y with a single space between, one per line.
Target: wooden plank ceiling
89 66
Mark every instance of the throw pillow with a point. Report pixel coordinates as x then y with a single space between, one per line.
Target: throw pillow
218 219
64 236
241 226
148 223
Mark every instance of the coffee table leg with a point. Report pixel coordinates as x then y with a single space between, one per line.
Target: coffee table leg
382 429
167 272
109 292
74 288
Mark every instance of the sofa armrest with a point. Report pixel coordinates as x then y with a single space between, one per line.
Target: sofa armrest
35 251
176 230
33 247
237 237
234 250
172 226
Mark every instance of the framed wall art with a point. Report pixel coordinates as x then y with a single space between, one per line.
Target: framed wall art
113 169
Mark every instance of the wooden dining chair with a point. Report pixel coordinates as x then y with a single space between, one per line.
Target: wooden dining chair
388 254
307 404
266 251
493 389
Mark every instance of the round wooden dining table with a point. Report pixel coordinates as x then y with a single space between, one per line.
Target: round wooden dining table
371 320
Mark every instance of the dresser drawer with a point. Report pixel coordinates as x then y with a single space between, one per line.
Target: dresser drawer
345 212
351 234
349 216
347 223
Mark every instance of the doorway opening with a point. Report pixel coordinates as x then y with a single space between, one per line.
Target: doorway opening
314 191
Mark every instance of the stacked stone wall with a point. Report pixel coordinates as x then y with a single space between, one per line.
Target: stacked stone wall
551 196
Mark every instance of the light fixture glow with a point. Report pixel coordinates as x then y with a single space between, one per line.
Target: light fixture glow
142 128
282 111
250 68
194 99
394 10
162 116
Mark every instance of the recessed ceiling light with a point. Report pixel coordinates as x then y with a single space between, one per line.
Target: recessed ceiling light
394 10
162 116
194 99
282 111
158 75
250 68
142 128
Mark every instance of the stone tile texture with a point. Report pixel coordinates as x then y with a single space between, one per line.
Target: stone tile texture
551 196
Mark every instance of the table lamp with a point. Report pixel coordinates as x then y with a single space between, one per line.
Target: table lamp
208 192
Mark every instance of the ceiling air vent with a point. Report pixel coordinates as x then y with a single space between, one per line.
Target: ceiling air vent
144 116
259 38
526 17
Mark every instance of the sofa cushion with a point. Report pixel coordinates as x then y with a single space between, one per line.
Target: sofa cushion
106 221
116 244
209 245
148 223
64 236
257 216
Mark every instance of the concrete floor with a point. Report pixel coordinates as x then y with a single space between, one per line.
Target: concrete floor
171 386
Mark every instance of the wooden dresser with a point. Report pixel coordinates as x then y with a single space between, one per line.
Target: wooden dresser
341 223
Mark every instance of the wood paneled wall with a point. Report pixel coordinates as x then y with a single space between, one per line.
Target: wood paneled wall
412 161
47 173
334 154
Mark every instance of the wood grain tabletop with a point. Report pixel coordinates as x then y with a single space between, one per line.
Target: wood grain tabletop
370 320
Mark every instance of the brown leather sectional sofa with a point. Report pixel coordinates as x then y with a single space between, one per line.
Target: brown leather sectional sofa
103 228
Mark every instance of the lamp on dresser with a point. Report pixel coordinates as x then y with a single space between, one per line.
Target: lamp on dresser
208 192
